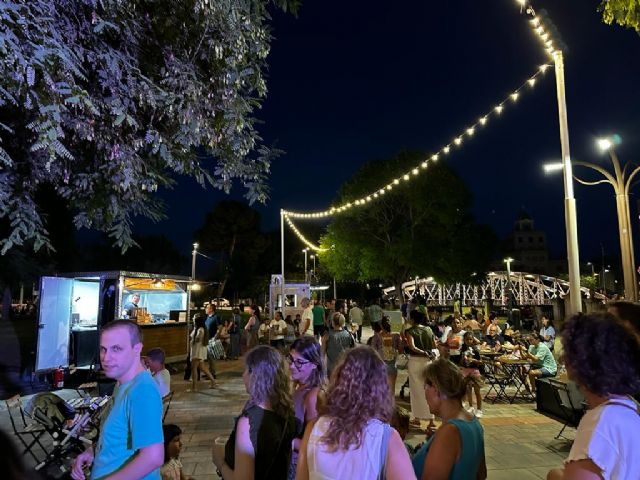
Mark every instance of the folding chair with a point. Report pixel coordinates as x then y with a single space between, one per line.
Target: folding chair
29 433
569 402
497 380
166 404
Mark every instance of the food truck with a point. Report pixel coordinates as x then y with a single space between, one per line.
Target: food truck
293 293
74 307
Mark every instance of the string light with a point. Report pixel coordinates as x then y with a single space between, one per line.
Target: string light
547 41
538 28
302 238
413 172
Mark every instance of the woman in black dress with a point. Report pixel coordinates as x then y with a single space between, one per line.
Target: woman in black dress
260 445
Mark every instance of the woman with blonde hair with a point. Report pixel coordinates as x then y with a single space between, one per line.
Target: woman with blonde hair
198 351
260 444
456 451
352 438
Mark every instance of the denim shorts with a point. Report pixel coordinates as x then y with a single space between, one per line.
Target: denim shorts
546 373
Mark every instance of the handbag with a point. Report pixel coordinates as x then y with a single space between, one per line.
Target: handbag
216 349
402 361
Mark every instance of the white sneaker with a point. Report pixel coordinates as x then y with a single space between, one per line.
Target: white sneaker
479 414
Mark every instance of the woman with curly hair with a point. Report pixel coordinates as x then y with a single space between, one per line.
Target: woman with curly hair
309 376
602 355
456 451
260 443
352 437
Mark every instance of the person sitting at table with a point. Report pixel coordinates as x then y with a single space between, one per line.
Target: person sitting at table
544 365
493 318
159 373
492 337
607 443
471 324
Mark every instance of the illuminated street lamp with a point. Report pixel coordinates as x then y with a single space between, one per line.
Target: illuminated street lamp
508 261
620 180
593 270
313 257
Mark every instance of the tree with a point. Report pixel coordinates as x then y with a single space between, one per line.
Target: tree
625 13
233 229
422 228
107 101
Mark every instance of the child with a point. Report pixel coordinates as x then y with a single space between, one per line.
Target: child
400 421
470 364
162 377
172 468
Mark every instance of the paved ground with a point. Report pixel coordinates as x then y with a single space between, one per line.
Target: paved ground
519 441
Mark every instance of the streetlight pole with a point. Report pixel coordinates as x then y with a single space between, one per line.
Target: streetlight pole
281 263
305 250
313 257
571 221
194 253
593 270
508 261
620 180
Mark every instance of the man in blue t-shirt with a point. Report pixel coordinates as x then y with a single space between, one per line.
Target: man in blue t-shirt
543 363
131 443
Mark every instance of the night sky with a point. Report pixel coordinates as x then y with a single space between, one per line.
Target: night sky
351 81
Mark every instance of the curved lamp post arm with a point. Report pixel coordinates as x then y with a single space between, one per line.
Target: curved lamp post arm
584 182
600 170
630 178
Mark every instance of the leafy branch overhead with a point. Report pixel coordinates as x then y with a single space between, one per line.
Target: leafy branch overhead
625 13
107 101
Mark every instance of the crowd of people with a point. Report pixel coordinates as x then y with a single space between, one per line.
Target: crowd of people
323 406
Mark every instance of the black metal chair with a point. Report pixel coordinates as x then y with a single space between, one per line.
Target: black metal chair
570 401
496 379
28 431
166 404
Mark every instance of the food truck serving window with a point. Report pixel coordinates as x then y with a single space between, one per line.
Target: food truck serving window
150 300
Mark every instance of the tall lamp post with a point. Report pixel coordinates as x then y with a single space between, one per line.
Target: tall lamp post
620 180
593 270
306 278
313 276
508 261
570 215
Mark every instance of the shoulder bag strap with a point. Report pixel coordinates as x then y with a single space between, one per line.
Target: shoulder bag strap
384 448
622 404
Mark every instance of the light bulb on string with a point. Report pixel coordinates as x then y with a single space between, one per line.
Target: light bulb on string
498 109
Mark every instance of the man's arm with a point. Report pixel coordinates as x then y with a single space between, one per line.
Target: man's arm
146 460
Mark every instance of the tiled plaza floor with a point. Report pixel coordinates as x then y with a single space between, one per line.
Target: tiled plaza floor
519 441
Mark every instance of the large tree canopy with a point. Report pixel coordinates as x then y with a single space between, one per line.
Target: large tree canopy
421 228
108 100
623 12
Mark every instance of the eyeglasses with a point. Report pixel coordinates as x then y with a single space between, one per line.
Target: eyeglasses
297 362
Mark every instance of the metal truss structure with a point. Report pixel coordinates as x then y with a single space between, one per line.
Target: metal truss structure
527 289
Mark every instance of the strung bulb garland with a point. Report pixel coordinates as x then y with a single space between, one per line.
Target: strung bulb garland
468 132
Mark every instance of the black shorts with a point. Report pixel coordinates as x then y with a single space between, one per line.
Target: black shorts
318 330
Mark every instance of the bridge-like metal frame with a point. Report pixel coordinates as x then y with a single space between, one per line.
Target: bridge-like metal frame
528 289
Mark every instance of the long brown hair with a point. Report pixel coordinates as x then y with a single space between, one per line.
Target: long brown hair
269 380
199 323
358 392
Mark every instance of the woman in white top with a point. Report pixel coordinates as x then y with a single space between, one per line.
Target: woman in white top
352 438
602 355
199 342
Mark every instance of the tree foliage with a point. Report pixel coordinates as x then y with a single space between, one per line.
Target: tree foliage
108 100
422 228
232 229
625 13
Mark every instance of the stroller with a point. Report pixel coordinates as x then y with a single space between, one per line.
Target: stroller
71 428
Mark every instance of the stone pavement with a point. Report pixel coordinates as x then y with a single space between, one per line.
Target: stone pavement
519 441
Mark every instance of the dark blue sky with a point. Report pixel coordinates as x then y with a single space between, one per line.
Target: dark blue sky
350 81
